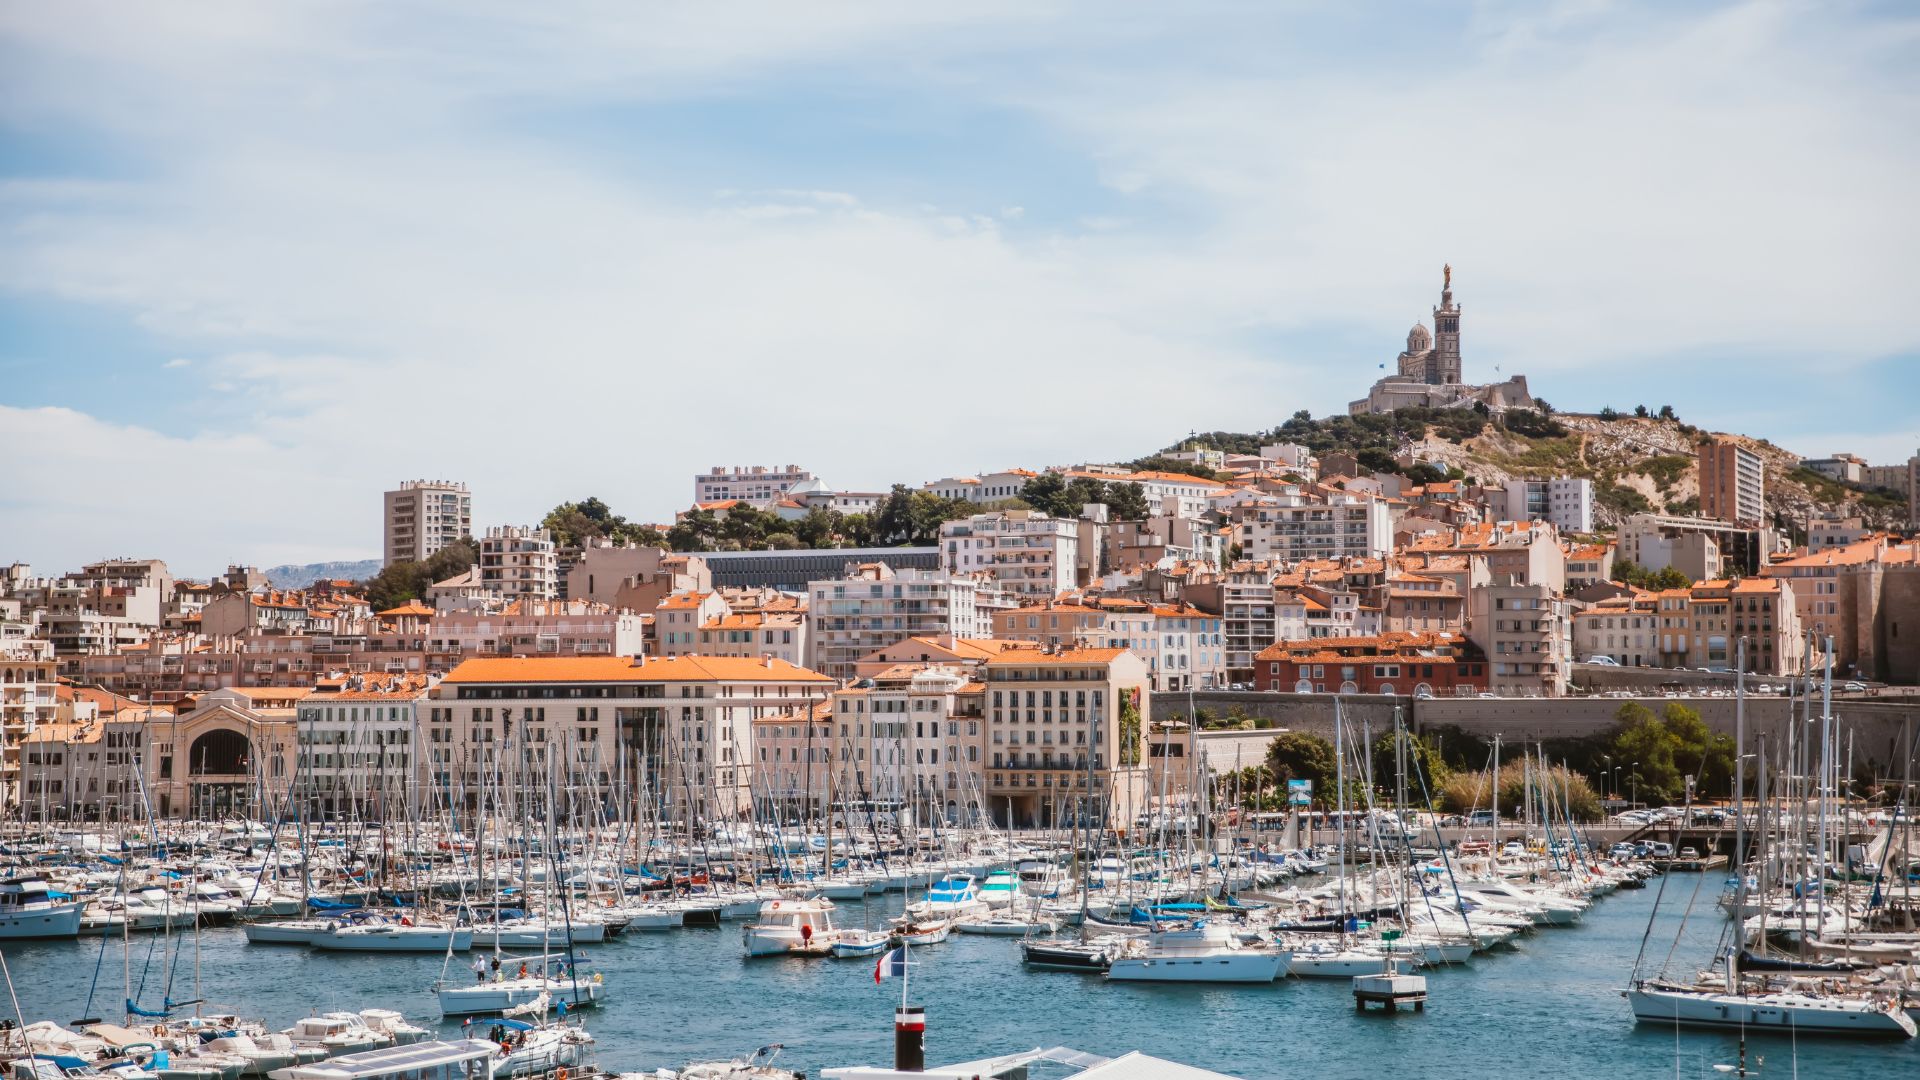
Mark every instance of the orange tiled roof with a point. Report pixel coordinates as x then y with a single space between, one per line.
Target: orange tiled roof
564 669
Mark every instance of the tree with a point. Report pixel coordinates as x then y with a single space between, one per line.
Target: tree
406 579
1162 463
1046 493
1666 413
1127 502
1424 473
1640 411
1648 747
697 530
819 528
574 523
1668 577
1295 755
1423 759
1376 460
1608 413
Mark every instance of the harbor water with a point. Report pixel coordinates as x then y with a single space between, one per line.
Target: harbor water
1548 1008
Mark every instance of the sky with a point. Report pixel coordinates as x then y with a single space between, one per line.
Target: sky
261 262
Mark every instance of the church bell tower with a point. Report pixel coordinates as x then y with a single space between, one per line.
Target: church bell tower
1443 364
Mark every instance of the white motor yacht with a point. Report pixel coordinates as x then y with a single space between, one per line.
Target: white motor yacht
791 928
1203 952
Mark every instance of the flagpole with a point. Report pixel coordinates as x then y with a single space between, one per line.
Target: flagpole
906 969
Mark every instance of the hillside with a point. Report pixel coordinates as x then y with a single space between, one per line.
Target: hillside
1637 463
299 577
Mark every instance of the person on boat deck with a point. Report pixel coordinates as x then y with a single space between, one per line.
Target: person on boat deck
523 969
479 969
496 967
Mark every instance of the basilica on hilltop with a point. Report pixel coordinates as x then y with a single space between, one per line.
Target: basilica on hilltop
1428 373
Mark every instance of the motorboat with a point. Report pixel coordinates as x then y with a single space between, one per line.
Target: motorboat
855 943
552 977
1000 889
1205 951
790 927
29 908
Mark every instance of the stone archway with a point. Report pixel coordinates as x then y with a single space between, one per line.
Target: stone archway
220 752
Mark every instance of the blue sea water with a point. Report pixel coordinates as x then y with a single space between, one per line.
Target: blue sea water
1549 1008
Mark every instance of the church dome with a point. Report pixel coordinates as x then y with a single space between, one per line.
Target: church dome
1418 340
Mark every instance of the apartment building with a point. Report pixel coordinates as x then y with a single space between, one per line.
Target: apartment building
1589 564
1846 468
85 768
1305 526
1023 552
681 728
1525 633
1903 478
678 619
1625 629
914 739
29 698
520 563
757 484
779 634
1862 595
873 606
1529 551
1423 664
1066 736
985 488
1566 501
423 516
357 748
1732 483
632 576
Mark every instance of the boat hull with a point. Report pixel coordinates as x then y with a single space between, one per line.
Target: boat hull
1779 1013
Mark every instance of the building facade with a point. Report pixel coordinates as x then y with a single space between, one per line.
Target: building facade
422 516
1023 552
757 484
520 563
1732 483
1066 736
1567 501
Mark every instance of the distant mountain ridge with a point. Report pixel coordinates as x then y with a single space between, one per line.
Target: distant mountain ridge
299 577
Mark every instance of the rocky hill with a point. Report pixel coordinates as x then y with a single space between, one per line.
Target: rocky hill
1637 463
299 577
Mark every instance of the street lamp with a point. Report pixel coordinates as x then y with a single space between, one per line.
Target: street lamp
1635 777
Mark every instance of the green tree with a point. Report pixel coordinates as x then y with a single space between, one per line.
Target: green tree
399 582
1046 493
1423 759
819 529
1129 729
1668 577
1127 502
697 530
1295 755
1521 786
1647 747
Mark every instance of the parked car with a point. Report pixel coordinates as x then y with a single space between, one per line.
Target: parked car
1855 688
1604 661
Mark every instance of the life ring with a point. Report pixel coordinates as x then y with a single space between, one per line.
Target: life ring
562 1074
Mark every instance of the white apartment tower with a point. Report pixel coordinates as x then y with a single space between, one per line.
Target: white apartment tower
520 563
423 516
1566 501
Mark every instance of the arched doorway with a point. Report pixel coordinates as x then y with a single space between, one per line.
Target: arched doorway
221 752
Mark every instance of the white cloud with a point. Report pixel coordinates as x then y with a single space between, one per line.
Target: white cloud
177 362
384 275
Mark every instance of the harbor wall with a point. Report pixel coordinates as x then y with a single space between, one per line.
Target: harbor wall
1883 730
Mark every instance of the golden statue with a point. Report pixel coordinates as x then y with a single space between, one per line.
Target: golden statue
1446 273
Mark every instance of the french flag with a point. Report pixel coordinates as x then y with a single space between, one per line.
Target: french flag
892 962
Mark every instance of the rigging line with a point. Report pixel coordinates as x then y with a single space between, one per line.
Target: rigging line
1684 915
